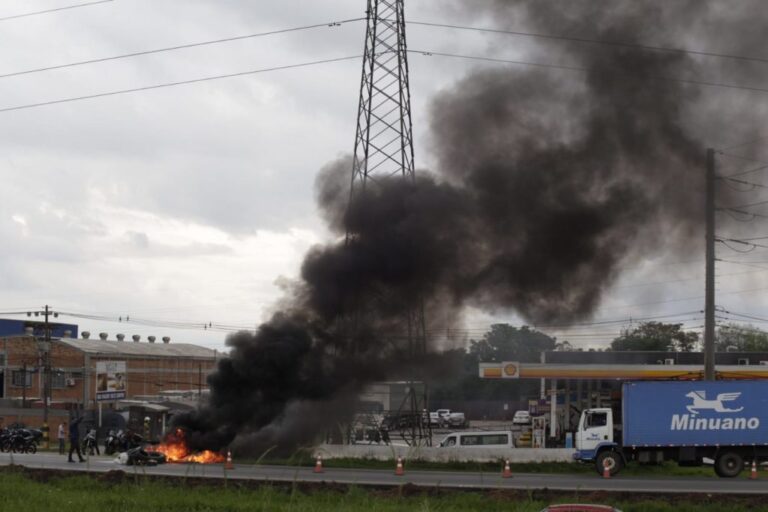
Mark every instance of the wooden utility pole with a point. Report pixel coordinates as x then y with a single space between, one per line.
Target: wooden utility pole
709 292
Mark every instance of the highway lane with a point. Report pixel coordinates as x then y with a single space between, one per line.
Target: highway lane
445 479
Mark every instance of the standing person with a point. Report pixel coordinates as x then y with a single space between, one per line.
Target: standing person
62 437
74 439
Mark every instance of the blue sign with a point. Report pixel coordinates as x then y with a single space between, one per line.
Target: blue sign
695 413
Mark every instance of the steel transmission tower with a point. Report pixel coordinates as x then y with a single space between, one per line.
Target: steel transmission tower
384 151
384 139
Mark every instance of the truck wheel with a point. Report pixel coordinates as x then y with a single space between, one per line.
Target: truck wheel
729 465
610 458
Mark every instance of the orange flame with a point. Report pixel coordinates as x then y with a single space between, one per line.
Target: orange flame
175 449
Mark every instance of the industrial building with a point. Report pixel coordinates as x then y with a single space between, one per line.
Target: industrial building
91 374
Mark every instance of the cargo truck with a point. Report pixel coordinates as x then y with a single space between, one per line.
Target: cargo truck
682 421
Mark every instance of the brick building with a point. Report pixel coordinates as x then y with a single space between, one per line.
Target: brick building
151 369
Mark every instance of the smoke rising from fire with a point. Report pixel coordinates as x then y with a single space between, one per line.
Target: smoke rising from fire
546 181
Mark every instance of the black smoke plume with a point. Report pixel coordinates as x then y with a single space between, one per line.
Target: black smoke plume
546 181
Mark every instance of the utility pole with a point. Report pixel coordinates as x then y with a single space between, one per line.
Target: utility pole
709 292
199 384
24 385
46 376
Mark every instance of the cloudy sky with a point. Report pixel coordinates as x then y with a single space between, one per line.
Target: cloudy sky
194 204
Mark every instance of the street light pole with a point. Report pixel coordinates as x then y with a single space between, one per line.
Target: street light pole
46 372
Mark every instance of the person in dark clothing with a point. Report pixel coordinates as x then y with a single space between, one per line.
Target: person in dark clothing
74 439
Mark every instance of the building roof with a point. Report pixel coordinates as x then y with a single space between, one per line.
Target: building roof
649 357
143 349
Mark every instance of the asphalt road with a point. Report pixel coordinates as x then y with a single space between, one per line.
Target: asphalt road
446 479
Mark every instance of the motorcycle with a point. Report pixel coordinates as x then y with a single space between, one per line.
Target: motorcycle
19 441
121 441
89 444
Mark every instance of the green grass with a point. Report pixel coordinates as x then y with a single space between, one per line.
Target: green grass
20 493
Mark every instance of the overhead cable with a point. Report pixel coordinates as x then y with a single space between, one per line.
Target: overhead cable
180 47
429 53
593 41
76 6
181 82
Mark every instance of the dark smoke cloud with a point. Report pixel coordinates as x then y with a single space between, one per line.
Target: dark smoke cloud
546 182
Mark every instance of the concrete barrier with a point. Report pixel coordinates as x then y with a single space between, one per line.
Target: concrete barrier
436 454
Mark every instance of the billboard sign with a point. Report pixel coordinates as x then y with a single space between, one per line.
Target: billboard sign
110 380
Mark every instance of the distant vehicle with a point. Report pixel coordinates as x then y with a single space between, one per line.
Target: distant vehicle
521 418
446 418
579 507
480 439
682 421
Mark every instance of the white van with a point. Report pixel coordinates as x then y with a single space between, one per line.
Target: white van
479 439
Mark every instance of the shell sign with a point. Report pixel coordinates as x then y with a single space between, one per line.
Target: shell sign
510 370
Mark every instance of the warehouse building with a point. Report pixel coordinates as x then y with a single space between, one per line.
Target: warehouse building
91 374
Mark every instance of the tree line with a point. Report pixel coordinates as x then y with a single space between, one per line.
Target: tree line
504 342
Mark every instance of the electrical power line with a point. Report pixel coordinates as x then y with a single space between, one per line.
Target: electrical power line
76 6
750 184
749 205
750 216
338 59
181 82
428 53
745 158
180 47
741 144
742 173
594 41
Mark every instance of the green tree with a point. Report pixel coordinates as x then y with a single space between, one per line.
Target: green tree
656 336
507 343
743 338
501 343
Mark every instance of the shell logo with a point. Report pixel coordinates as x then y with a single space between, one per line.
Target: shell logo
510 370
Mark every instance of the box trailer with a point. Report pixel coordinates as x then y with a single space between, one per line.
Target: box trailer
682 421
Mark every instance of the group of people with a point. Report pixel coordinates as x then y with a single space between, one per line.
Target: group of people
74 439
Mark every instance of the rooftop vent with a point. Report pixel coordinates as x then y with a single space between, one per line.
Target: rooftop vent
120 337
151 339
103 336
85 334
166 339
136 338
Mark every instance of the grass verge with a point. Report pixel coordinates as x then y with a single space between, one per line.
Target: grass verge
34 490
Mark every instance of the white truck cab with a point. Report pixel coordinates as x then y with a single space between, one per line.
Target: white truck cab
595 429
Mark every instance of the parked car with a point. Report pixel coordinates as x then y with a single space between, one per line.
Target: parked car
480 439
579 507
521 418
446 418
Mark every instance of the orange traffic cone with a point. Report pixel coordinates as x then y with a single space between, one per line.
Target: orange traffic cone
399 471
318 464
753 473
606 469
507 473
228 464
